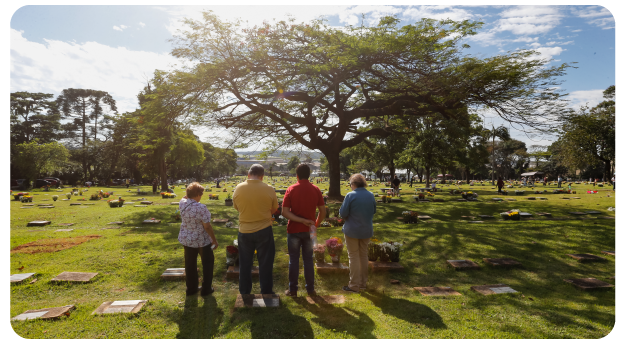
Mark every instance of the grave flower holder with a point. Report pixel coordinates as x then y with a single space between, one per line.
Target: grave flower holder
318 253
232 256
55 197
394 256
26 199
373 250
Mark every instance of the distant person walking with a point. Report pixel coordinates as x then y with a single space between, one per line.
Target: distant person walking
197 237
154 186
560 180
358 209
299 204
255 201
613 181
396 185
500 185
127 183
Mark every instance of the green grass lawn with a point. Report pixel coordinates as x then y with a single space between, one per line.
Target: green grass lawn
130 260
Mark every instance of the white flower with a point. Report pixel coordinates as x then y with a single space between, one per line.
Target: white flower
235 243
229 225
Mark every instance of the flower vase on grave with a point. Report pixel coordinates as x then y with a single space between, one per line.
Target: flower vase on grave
394 256
384 256
232 256
373 250
318 253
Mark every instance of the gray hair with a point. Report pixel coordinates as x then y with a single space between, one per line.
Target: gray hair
256 170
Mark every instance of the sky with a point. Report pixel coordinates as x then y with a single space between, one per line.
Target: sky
117 48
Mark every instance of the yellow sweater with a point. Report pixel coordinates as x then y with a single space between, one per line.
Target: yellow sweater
255 201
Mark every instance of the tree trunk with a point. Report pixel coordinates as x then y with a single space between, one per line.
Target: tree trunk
607 171
163 174
467 174
392 170
493 160
443 173
421 174
427 175
334 174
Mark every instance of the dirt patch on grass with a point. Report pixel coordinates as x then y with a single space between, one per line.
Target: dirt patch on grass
52 245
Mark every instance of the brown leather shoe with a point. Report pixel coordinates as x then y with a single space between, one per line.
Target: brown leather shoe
291 293
312 293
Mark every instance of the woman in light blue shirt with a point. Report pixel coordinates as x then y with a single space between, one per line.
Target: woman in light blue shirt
358 209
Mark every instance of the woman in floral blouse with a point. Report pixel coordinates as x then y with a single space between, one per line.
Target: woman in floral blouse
196 235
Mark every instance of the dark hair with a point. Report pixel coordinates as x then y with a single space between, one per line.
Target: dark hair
358 180
303 171
194 190
256 170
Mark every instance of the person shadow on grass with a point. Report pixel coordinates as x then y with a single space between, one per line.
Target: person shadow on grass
406 310
340 319
271 322
199 322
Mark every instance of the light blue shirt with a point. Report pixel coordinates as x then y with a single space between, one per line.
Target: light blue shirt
358 209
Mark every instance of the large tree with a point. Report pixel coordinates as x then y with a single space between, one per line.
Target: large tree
36 159
314 85
34 116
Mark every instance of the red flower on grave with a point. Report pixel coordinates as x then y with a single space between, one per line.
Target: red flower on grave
232 249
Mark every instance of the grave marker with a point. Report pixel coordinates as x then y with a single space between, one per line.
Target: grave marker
424 217
45 313
64 230
525 214
19 278
475 221
325 299
75 277
586 257
326 268
437 291
146 202
610 253
44 205
593 212
151 221
530 198
463 264
38 223
544 214
496 199
511 199
233 272
505 262
385 266
76 204
577 213
116 223
588 283
47 207
606 217
461 200
492 289
173 274
127 306
257 300
486 216
174 203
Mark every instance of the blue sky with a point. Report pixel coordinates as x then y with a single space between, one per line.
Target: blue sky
117 48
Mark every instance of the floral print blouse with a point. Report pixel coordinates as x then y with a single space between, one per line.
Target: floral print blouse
193 214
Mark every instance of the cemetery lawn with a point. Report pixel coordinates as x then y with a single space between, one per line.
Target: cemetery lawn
130 259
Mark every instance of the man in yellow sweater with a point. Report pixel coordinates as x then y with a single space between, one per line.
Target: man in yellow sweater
256 202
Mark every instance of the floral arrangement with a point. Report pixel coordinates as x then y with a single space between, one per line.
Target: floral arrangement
420 196
384 198
409 216
55 197
513 214
232 255
94 197
176 216
17 195
325 224
228 198
114 203
282 221
214 197
390 251
80 192
224 190
318 252
373 249
325 199
430 194
26 199
68 195
335 248
168 195
336 221
229 224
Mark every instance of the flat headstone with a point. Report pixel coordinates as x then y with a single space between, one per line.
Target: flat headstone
577 213
173 274
525 214
89 204
174 203
326 268
531 198
233 272
385 266
606 217
564 197
19 278
45 313
496 199
396 200
146 202
257 300
610 253
542 198
437 291
127 306
44 205
325 299
486 216
424 217
492 289
220 220
438 200
504 262
475 221
588 283
140 206
64 230
116 223
127 203
585 257
463 264
38 223
76 204
152 221
575 197
593 212
461 200
74 276
544 214
26 208
511 199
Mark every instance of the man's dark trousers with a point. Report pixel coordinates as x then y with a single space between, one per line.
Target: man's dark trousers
263 242
191 269
294 242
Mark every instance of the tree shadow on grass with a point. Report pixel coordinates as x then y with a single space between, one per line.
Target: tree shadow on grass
406 310
199 322
342 319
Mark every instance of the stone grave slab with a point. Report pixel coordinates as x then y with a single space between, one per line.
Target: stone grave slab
127 203
588 283
146 202
423 201
45 313
101 229
438 200
140 206
530 198
76 204
606 217
396 200
27 208
492 289
437 291
325 299
577 213
27 205
233 272
152 221
44 204
503 262
424 217
463 264
74 277
19 278
610 253
329 268
461 200
116 223
511 199
64 230
47 207
475 221
525 214
575 197
126 306
220 220
38 223
385 266
486 216
89 204
564 197
173 274
257 300
593 212
544 214
496 199
586 257
542 198
174 203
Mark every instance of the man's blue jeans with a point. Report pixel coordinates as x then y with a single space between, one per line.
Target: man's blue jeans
294 242
263 242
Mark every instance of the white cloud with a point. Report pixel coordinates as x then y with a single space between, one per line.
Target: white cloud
548 53
117 28
580 98
56 65
525 39
142 24
438 12
578 30
529 20
596 15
